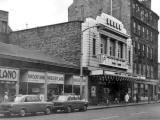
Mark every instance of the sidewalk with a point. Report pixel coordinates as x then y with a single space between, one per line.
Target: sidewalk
96 107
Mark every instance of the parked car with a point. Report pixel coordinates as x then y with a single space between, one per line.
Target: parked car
25 104
69 103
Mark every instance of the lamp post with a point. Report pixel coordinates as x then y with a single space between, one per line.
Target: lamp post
81 57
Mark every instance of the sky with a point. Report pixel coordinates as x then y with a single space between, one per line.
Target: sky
35 13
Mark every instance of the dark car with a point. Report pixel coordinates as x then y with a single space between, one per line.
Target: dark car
69 103
25 104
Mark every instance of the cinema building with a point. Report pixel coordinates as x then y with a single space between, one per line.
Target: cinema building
48 60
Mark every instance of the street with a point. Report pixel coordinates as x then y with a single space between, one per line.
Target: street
139 112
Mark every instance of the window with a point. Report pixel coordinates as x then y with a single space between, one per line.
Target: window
129 56
143 32
151 36
139 30
151 71
112 48
147 51
144 70
94 46
134 27
139 68
134 68
151 53
120 49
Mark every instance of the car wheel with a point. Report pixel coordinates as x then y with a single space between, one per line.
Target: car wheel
47 111
22 112
68 109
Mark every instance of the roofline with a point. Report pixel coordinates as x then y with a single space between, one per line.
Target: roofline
38 61
46 26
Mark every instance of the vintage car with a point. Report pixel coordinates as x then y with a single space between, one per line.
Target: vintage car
25 104
69 103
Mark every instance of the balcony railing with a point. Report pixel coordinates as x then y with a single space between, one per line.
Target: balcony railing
112 61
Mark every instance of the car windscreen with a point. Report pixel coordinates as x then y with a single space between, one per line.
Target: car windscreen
62 98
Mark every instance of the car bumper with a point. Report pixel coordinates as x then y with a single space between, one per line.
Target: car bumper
58 108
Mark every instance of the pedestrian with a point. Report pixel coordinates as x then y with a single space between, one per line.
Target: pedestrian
6 97
126 98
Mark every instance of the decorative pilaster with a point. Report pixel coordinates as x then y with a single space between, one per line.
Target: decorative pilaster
108 46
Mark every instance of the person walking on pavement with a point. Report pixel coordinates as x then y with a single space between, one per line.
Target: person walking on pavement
6 97
126 98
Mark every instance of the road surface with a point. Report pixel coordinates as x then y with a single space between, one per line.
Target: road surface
139 112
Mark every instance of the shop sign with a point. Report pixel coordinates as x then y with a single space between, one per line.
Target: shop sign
55 78
39 77
7 74
35 77
78 81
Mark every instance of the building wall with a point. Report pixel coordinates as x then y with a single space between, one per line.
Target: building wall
96 45
4 29
122 10
60 40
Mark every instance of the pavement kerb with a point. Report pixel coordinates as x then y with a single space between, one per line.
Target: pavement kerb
113 106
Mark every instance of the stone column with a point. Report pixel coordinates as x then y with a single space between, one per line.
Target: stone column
108 46
116 49
124 51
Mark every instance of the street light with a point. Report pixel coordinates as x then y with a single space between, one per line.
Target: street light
81 57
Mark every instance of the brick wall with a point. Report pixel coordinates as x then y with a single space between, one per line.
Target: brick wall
60 40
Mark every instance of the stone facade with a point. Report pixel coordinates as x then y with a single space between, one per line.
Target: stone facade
123 10
60 40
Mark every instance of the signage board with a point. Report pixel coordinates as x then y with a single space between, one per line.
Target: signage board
39 77
9 74
78 81
35 77
55 78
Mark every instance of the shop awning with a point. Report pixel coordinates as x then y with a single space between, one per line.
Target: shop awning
17 53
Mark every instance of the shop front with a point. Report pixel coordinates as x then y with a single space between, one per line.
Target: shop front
73 84
55 85
45 84
9 82
111 89
108 89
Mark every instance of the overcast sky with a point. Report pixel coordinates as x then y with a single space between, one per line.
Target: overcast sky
42 12
37 13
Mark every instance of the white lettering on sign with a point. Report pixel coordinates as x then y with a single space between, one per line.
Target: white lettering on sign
39 77
35 77
55 78
111 22
9 74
